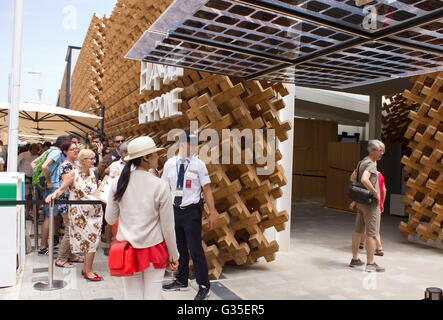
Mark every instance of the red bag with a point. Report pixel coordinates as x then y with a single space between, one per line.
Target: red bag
121 259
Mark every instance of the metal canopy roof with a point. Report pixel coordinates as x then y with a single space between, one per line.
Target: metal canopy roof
316 43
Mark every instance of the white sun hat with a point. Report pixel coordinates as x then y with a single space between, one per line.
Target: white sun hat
141 146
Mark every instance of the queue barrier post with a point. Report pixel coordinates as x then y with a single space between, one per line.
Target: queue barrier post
35 211
51 284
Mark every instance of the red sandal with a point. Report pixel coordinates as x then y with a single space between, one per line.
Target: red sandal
96 278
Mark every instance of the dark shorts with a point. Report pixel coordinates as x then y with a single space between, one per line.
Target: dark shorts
368 219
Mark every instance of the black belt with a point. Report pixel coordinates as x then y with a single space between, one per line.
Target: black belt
186 207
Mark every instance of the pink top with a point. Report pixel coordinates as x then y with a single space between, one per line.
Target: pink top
381 182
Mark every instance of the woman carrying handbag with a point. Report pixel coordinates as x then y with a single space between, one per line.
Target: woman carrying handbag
142 204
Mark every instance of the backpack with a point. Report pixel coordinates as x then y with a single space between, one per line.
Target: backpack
38 177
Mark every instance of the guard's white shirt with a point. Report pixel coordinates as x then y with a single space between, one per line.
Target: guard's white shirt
196 177
116 168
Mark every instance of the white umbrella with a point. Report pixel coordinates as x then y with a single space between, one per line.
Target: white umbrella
28 138
39 119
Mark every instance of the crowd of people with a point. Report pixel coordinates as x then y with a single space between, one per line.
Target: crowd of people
159 215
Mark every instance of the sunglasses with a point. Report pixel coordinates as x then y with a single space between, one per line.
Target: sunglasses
119 141
89 159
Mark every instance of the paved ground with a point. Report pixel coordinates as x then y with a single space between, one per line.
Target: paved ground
314 268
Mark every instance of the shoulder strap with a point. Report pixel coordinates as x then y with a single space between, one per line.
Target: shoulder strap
358 170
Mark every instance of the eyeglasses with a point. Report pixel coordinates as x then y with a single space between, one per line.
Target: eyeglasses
74 150
89 159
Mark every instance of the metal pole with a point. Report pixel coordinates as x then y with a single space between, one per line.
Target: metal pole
52 284
15 92
68 80
51 244
102 122
87 144
35 210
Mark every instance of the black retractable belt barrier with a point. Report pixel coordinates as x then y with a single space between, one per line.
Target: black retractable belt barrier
51 284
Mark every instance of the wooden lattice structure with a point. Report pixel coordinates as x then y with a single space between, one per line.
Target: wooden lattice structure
86 80
245 201
395 120
424 197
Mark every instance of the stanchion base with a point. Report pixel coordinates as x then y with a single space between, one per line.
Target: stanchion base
44 286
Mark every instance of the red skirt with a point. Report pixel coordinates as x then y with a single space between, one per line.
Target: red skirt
157 255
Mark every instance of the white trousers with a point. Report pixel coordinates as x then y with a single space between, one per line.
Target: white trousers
145 285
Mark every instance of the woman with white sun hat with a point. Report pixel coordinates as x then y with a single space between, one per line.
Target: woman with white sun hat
142 204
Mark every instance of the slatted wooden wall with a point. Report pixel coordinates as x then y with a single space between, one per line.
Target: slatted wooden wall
86 80
62 92
245 201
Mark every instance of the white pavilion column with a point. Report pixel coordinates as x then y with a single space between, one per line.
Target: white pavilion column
375 104
286 148
15 89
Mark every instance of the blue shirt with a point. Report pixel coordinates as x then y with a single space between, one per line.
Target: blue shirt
55 154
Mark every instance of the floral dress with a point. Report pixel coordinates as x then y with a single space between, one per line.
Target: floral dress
65 168
86 220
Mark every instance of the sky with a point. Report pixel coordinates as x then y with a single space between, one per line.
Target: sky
49 26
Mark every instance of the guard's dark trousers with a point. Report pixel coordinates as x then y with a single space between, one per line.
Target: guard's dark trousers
188 228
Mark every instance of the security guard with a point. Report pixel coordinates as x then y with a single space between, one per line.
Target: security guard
187 175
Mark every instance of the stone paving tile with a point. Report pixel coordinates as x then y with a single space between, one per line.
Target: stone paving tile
77 288
316 267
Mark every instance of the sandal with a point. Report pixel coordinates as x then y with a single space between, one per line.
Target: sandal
64 264
96 278
379 252
77 260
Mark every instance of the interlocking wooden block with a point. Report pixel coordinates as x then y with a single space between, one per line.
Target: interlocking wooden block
425 134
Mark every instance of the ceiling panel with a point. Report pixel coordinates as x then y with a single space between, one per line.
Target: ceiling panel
323 43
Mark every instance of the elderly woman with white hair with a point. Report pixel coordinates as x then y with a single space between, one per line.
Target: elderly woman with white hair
368 215
85 220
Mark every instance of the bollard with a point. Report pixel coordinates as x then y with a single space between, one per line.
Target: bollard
433 294
52 284
35 210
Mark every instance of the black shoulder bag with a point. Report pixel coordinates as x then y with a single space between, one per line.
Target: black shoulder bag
357 191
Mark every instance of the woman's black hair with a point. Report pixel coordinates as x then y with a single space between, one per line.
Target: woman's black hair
58 143
123 181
